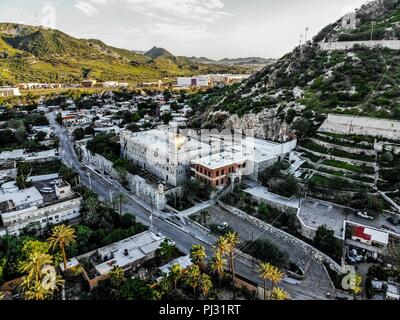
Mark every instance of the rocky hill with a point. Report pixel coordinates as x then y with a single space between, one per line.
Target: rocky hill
307 83
38 54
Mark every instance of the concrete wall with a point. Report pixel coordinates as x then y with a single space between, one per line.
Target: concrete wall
380 128
315 253
345 45
139 186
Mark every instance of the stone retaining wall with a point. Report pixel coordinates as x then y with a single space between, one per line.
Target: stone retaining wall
343 148
346 45
288 238
329 157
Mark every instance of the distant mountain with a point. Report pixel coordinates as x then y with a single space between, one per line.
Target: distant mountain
238 61
156 53
38 54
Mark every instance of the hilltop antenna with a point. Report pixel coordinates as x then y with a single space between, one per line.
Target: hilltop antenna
36 21
301 40
305 37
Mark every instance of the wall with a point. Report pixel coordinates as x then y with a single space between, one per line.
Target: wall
138 186
389 129
345 45
315 253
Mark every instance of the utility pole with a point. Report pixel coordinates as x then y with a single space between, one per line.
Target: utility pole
90 180
372 29
120 204
111 196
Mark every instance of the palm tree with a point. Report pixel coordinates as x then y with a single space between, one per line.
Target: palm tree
166 250
91 211
39 283
35 264
222 246
275 278
233 241
357 288
117 276
193 277
205 284
175 273
265 273
62 236
218 265
279 294
197 254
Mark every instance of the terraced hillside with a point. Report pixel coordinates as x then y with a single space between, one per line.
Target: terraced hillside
351 170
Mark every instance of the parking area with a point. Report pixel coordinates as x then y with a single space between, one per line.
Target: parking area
318 213
316 282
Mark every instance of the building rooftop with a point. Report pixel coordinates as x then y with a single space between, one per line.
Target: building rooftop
184 262
21 199
220 160
127 251
371 235
26 156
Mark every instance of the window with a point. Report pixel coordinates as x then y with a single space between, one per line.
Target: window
218 173
216 182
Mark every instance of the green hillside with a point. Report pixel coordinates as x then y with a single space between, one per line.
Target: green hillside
308 81
39 54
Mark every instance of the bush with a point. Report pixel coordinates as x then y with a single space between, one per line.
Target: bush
266 251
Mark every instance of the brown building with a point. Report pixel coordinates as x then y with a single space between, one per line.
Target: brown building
216 170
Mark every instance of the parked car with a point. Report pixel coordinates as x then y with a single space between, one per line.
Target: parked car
364 215
223 226
394 221
47 190
56 181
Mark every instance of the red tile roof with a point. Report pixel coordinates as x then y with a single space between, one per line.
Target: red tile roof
359 233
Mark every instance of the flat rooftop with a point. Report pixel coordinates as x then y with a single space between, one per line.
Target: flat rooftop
164 141
184 262
128 251
220 160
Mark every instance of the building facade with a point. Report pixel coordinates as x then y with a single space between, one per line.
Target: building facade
32 207
163 152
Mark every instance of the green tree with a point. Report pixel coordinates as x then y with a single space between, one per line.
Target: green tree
205 285
193 277
218 265
134 289
326 241
233 241
175 273
197 254
116 276
62 236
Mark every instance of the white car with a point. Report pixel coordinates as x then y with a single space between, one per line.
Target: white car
364 215
56 181
47 190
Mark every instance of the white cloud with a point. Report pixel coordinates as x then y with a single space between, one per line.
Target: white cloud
180 31
353 6
87 8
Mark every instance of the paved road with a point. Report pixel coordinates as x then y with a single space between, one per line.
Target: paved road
184 235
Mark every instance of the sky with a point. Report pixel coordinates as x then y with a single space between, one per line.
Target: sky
210 28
